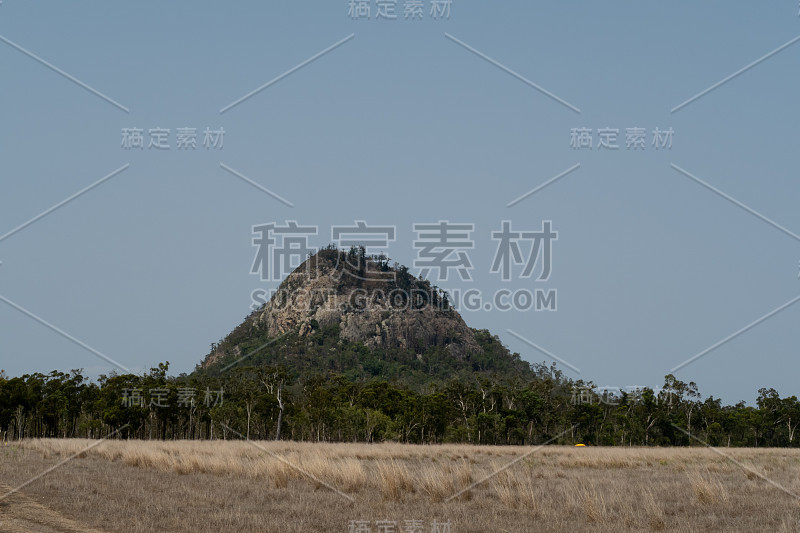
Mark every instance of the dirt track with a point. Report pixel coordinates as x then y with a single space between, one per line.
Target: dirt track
19 514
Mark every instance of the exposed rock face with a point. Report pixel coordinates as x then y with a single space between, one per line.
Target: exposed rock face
382 307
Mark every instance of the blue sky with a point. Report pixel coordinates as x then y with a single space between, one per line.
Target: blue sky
402 125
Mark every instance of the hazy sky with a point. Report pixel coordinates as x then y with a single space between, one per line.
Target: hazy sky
398 125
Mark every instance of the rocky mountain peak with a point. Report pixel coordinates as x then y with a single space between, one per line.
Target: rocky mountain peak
374 303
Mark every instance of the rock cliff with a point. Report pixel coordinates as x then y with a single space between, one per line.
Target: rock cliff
373 303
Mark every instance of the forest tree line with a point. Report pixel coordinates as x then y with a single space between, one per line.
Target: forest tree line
266 402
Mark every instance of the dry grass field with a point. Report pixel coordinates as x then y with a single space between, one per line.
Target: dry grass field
238 486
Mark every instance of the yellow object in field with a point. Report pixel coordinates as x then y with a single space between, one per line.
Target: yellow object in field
580 445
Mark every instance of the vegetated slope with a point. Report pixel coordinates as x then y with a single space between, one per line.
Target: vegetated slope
350 314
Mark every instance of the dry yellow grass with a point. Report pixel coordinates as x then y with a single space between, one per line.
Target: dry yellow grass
395 480
280 486
707 489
